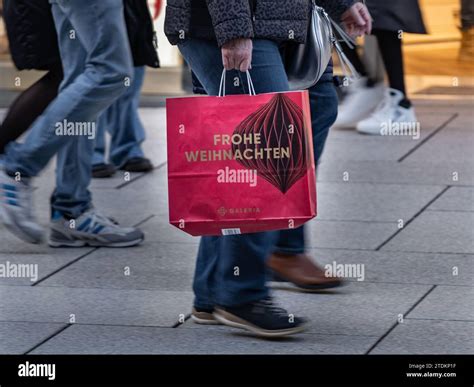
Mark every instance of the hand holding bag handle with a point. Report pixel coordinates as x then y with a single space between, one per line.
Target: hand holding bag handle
222 84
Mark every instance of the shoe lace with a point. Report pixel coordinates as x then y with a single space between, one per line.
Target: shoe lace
99 219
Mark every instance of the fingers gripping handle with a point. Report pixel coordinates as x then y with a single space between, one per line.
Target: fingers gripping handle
222 91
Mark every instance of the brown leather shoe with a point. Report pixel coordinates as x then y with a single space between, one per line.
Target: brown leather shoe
301 271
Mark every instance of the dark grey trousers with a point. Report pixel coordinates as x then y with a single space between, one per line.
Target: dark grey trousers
467 14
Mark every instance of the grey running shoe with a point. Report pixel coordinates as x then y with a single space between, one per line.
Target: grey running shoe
92 229
16 209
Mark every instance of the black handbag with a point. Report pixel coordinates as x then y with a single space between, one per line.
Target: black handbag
306 63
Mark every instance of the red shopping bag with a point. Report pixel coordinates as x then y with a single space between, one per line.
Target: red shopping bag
240 163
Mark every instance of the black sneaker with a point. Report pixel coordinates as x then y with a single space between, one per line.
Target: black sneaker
103 170
262 318
137 164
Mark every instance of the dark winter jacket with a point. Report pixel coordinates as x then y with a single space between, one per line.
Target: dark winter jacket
33 41
31 34
224 20
400 15
141 33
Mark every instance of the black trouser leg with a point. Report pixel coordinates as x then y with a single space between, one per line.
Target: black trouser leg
29 105
391 49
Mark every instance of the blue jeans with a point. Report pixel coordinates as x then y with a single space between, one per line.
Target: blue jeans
96 60
230 270
122 122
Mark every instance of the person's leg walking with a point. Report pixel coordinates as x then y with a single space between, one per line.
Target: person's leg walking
289 263
97 63
99 156
125 127
110 46
467 14
230 270
29 105
394 108
104 39
122 121
100 167
267 75
390 46
466 52
87 88
361 96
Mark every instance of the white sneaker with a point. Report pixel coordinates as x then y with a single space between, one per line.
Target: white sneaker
387 113
16 209
92 229
359 102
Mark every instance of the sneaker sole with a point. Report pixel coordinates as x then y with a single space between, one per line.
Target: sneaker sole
80 243
202 321
16 230
277 282
286 285
102 175
236 322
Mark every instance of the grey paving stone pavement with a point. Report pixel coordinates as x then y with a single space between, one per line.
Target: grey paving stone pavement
437 232
429 337
151 192
37 266
93 306
455 199
86 339
160 266
118 179
130 300
403 267
449 145
17 338
392 172
158 229
447 303
372 202
349 234
346 144
355 309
